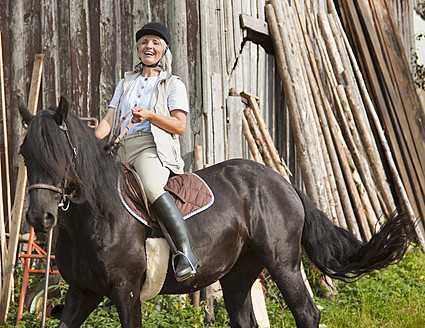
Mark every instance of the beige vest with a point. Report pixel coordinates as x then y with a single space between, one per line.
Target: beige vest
167 144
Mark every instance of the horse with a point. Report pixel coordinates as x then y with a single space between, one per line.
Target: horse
258 220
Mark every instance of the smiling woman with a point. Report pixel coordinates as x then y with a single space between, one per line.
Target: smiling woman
150 50
148 113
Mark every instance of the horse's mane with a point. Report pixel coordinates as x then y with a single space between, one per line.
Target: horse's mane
95 172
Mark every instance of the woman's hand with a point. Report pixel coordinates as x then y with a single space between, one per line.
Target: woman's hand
175 123
140 114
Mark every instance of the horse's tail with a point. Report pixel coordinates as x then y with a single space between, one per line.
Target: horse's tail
338 254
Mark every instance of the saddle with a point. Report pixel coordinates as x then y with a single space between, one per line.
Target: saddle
189 191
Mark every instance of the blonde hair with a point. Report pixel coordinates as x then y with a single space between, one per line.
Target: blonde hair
166 60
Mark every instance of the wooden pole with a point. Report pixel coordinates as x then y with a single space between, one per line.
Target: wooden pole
3 245
348 125
46 278
205 293
360 163
398 183
361 116
18 204
291 99
251 141
259 140
341 193
5 139
274 154
321 161
198 164
343 153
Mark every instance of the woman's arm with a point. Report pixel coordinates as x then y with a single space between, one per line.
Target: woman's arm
105 125
176 123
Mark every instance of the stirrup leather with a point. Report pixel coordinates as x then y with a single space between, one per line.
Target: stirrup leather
193 269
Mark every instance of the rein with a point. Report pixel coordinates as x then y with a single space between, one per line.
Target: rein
117 138
66 198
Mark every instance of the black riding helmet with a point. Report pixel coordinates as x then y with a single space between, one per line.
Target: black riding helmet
155 28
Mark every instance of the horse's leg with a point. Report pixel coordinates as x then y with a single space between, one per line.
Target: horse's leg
236 287
283 260
78 306
127 300
291 285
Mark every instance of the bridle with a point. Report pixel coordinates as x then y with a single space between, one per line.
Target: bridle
65 197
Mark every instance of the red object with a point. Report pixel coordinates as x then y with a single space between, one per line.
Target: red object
26 259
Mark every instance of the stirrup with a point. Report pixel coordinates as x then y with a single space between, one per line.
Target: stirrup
187 276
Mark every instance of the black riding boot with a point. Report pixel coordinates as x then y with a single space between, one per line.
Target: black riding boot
171 217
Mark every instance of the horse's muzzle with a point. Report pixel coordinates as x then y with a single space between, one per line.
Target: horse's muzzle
41 222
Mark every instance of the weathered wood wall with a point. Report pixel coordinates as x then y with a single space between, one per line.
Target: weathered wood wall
89 44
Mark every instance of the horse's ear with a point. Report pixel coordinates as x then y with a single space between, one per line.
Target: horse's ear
62 111
23 110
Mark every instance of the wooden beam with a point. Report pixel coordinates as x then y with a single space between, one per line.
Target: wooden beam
18 203
3 246
257 31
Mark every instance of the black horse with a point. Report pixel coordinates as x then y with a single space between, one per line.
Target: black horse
258 221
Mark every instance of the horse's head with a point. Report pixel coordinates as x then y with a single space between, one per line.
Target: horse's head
45 163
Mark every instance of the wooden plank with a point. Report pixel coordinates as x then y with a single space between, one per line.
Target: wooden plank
108 30
178 30
224 83
5 183
261 90
205 27
218 118
49 36
234 109
80 56
64 49
228 36
254 53
259 304
18 203
94 106
18 79
255 25
194 86
237 31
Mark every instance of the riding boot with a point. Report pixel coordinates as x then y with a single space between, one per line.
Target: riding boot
170 216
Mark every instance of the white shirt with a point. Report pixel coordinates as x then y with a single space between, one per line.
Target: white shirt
140 94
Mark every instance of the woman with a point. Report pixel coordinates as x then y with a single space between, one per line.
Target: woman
155 104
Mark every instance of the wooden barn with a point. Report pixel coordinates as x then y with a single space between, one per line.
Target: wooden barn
332 81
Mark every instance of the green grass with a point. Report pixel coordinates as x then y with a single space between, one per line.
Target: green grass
390 298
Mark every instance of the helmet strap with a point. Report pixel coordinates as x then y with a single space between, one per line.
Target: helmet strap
155 64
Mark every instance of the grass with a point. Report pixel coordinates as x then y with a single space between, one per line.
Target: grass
390 298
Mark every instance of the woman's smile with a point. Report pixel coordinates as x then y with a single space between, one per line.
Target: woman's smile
150 50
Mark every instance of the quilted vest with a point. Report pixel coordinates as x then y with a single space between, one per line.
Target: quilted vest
167 144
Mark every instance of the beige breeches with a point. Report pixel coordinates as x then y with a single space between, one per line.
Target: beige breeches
139 150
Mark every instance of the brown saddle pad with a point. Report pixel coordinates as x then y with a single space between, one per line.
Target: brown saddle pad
191 194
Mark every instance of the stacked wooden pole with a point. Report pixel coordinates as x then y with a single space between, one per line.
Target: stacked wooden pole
329 107
392 104
3 247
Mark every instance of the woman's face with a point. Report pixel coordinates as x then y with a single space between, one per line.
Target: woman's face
150 50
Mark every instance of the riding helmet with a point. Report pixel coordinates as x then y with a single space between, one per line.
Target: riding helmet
155 28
